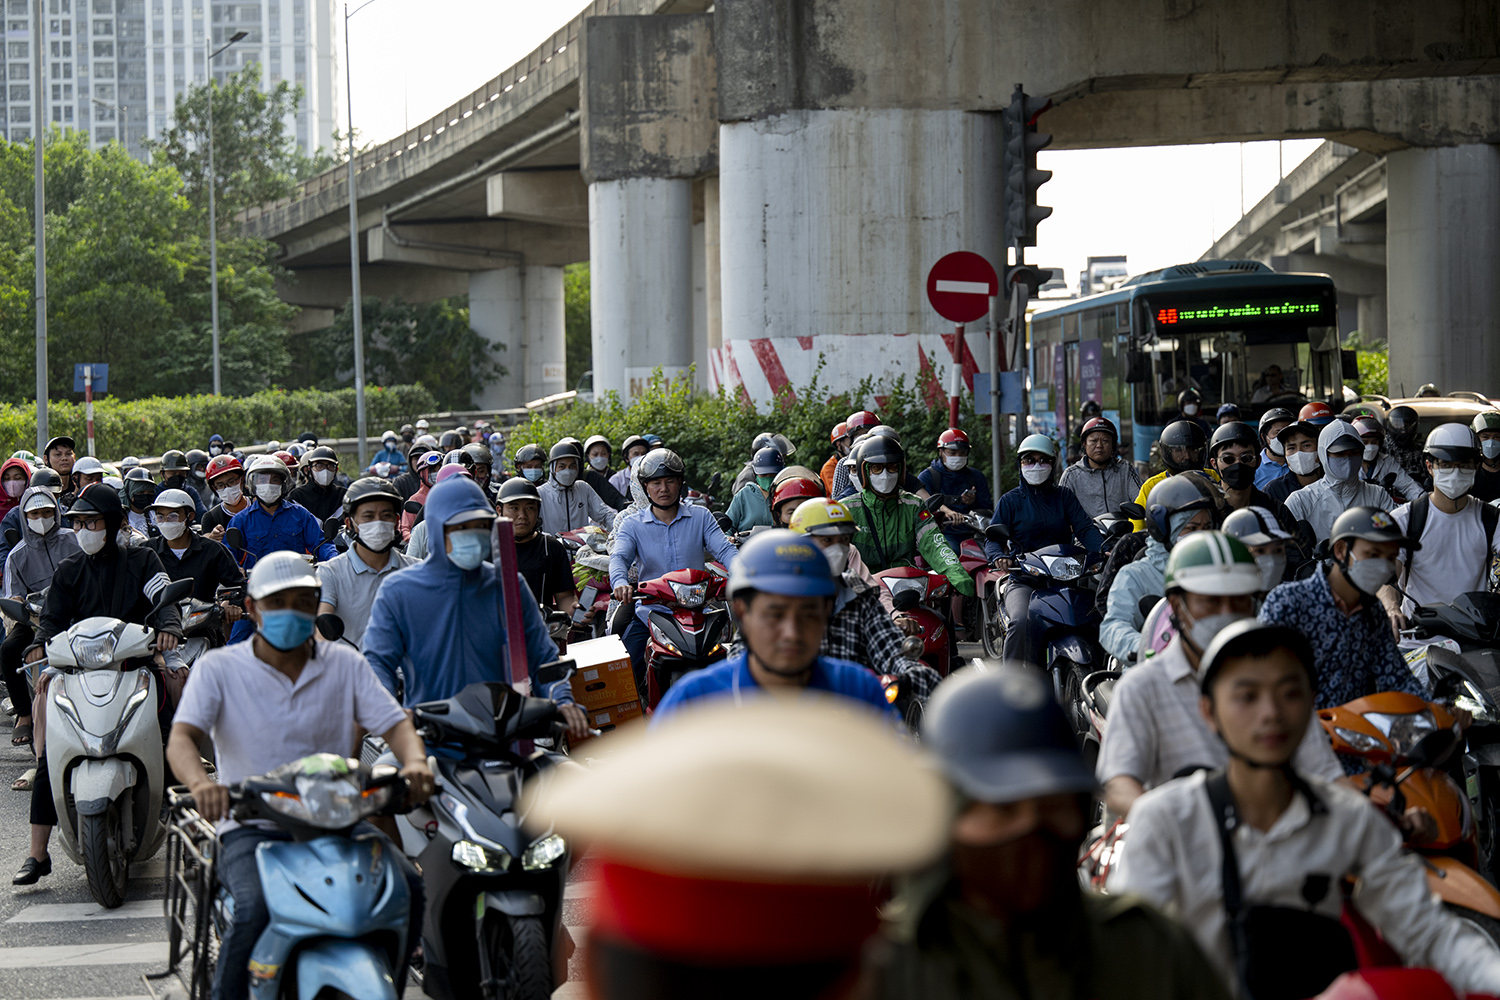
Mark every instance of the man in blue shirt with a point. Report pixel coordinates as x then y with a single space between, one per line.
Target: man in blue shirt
274 524
666 536
390 453
782 587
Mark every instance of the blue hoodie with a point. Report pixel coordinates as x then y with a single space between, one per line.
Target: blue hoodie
441 625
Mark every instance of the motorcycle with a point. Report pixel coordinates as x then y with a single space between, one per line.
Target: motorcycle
104 745
26 612
689 625
915 592
1404 740
339 904
203 623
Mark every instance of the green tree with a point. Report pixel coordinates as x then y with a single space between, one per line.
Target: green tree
577 321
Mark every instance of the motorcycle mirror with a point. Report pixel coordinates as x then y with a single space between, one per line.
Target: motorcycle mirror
331 528
725 524
172 593
331 626
713 484
558 670
1132 510
1323 550
905 601
1432 749
1148 603
1119 529
412 507
12 537
234 538
998 533
14 610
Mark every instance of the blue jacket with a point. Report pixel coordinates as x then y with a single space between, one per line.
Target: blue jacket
1268 471
732 677
937 479
442 626
1120 632
392 455
1049 515
291 529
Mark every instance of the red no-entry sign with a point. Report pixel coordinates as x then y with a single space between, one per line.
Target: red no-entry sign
960 285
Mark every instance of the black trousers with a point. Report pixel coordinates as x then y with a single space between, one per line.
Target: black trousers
11 652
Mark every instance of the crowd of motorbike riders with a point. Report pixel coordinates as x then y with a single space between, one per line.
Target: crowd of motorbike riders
1165 653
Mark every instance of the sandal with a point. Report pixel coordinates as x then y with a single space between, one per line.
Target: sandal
22 736
24 782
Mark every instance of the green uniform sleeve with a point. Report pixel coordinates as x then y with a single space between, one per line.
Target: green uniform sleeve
940 557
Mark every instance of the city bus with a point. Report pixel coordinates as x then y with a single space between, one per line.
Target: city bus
1215 325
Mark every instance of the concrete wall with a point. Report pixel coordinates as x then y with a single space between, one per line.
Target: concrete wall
522 310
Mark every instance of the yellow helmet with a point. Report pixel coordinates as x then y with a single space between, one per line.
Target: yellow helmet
821 516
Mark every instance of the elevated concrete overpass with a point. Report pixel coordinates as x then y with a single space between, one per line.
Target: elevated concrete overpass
764 185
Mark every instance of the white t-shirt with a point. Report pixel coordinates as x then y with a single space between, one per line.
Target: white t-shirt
1454 558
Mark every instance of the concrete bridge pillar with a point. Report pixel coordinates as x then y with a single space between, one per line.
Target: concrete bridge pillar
1443 259
520 308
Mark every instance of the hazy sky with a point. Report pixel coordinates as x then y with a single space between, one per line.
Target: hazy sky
411 59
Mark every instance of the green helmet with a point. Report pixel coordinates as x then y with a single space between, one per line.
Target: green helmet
1039 443
1489 420
1211 562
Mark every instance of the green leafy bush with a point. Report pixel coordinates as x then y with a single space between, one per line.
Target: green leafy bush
146 427
1373 359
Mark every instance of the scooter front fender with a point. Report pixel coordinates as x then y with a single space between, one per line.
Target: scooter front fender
97 783
352 967
516 903
1455 882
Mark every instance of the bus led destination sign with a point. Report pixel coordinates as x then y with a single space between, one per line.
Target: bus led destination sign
1219 314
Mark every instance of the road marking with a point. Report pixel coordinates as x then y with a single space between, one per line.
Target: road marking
964 287
56 956
56 913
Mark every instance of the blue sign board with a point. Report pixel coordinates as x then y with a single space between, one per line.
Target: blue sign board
100 377
1010 392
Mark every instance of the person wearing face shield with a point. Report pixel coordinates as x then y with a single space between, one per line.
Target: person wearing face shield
1267 541
440 622
321 494
1379 467
188 555
427 466
1456 535
568 503
1155 730
1338 609
1318 505
1004 907
1486 426
371 509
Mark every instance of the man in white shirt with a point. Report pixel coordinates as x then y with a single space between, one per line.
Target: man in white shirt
1458 534
1293 837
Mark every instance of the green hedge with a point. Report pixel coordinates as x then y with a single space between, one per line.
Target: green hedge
147 427
712 432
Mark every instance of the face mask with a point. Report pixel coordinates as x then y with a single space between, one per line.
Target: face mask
41 525
1277 448
408 438
171 529
564 477
1272 568
1201 632
470 548
837 556
90 541
213 449
636 461
1490 448
1341 467
599 462
1036 475
1453 483
532 475
16 487
883 482
955 462
323 477
1372 452
1369 575
764 482
1191 409
286 629
1238 476
268 493
231 495
377 535
1303 463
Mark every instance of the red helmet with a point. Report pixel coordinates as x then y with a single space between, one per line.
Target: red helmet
861 421
1316 414
840 430
288 458
953 436
221 464
797 486
1098 424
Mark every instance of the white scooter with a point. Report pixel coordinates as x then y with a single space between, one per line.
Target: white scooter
104 746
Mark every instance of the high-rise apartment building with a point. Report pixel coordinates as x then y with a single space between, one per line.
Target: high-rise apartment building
114 68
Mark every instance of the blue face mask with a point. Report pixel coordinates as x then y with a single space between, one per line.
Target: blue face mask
532 475
286 630
470 548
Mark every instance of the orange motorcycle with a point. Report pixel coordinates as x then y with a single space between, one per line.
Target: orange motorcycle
1403 740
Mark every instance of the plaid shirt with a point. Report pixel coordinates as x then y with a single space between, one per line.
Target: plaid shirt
862 630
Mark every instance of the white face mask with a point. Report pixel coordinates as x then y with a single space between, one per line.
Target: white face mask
268 493
213 449
231 494
1453 483
1490 448
1303 463
90 541
1036 475
1369 575
636 461
599 462
1190 410
1372 452
382 469
955 462
42 525
171 529
1277 448
883 483
377 535
1271 569
323 477
565 477
837 556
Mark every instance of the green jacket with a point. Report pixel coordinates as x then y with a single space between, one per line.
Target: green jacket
1109 948
895 529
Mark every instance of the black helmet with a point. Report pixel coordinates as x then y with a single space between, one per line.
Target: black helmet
137 474
571 442
662 463
564 449
311 440
471 455
999 735
1372 524
370 488
138 485
1275 415
1253 637
767 461
1173 495
631 442
174 461
516 489
47 478
1188 395
454 457
770 439
450 440
322 453
1401 424
1428 389
1183 434
588 445
197 457
1090 409
1233 433
885 431
62 440
530 453
876 450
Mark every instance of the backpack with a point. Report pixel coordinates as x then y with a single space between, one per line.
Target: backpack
1127 550
1489 518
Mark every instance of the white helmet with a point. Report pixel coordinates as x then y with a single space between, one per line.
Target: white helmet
1452 443
278 571
174 498
88 465
268 463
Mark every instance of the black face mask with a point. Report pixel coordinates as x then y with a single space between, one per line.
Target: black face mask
174 482
1032 874
1238 476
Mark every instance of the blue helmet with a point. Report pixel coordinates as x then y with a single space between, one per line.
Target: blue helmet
767 462
782 562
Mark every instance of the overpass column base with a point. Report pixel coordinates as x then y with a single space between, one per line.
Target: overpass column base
521 309
1443 268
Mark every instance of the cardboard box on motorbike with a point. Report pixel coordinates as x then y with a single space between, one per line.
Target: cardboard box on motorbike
603 678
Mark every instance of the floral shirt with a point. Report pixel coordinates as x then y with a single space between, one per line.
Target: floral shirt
1356 654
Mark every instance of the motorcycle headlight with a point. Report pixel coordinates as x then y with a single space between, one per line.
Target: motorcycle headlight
1362 742
543 852
1403 731
94 650
1476 703
480 859
1063 567
661 637
690 595
902 584
328 804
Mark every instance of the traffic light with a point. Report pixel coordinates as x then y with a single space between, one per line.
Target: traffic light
1022 178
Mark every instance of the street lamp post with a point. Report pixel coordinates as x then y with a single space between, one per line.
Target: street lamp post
359 325
38 131
213 218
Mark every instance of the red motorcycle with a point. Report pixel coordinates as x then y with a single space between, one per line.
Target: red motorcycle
916 593
690 626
